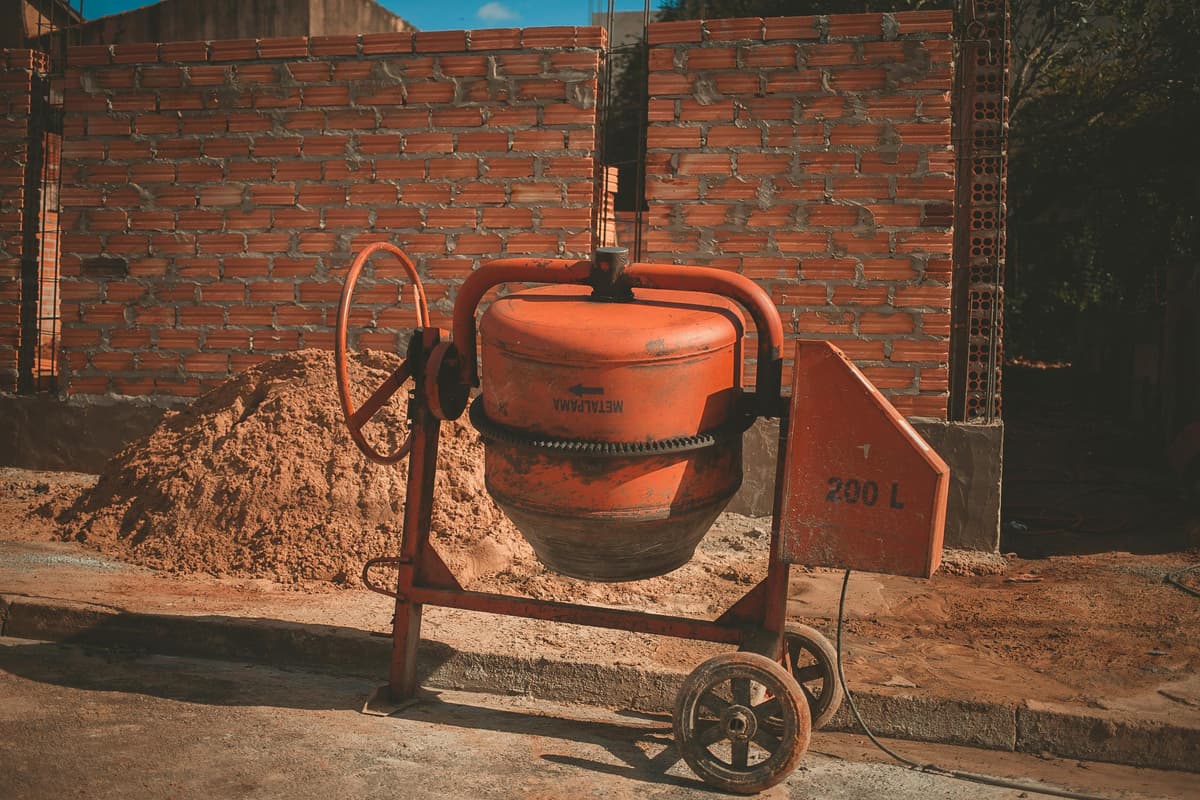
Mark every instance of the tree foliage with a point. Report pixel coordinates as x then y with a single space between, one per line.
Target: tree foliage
1104 173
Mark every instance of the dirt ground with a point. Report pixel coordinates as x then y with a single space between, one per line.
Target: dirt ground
1078 612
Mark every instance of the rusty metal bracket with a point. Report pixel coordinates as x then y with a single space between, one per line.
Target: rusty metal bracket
391 561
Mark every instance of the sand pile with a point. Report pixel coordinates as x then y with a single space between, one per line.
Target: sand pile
259 478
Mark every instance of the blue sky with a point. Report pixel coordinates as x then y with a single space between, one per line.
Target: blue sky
432 15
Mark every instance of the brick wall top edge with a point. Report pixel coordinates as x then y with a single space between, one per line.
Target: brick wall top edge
291 47
833 26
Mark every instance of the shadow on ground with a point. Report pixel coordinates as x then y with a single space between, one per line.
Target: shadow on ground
643 745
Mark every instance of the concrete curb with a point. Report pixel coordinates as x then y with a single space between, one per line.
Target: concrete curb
1028 727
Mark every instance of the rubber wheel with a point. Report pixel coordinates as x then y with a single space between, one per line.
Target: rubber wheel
725 738
812 661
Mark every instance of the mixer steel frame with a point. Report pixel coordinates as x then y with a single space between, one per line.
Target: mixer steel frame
754 623
770 650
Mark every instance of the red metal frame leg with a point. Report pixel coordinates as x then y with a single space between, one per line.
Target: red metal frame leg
778 570
418 510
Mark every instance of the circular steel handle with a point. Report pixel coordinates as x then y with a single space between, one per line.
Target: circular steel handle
357 418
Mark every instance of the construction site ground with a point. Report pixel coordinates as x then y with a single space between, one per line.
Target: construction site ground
1074 642
99 724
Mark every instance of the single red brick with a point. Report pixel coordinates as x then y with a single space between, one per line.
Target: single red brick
199 220
563 114
227 147
274 242
924 133
860 135
821 323
567 167
791 28
937 297
732 189
292 218
922 405
575 61
936 21
327 96
387 43
890 377
900 215
827 268
372 193
452 168
856 25
712 58
233 50
440 41
220 243
858 80
664 189
160 77
684 31
860 187
897 51
150 124
769 56
860 295
877 322
283 47
537 193
935 106
495 39
337 45
929 187
662 136
927 350
321 195
832 215
182 52
553 36
762 163
87 384
88 54
705 164
724 30
152 220
457 118
224 195
484 142
463 65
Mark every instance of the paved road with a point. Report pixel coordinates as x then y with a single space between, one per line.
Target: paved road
99 724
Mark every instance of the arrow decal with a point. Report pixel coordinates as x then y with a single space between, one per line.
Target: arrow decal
579 390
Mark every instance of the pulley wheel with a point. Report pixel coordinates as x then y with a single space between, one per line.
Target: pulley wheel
812 661
724 736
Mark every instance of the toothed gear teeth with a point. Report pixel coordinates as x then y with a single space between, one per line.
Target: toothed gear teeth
494 431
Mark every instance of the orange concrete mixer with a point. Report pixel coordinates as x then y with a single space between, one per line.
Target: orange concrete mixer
612 407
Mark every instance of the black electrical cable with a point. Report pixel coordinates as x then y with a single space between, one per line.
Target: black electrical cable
934 769
1174 577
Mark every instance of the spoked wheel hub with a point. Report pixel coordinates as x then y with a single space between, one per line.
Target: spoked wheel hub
722 732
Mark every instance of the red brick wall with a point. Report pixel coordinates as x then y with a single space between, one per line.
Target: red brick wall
813 154
16 70
213 192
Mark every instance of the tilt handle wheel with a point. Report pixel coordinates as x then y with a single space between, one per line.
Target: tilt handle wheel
725 738
812 661
356 419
